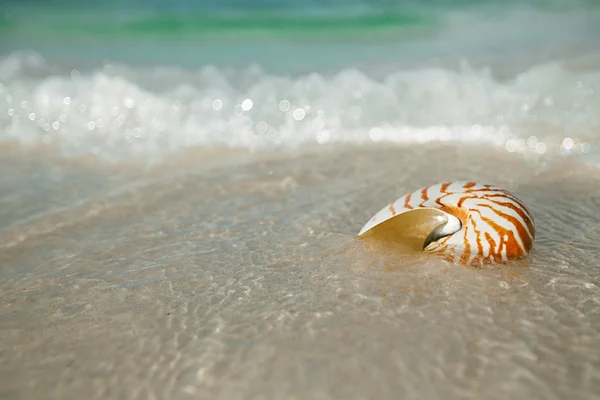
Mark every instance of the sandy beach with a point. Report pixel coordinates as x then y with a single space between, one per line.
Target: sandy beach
239 282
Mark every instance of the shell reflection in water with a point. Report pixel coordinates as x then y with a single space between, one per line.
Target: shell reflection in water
465 222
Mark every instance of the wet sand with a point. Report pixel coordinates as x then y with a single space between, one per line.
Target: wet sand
246 282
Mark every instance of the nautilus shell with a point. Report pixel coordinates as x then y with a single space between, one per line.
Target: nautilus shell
465 222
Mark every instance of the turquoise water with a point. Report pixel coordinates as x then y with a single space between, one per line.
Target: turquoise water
236 20
189 20
201 26
291 37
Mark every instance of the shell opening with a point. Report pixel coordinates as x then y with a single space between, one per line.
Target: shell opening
409 230
451 226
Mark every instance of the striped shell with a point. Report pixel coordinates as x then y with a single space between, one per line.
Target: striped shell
473 223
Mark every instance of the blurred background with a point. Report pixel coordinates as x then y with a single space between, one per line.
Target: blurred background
313 72
296 36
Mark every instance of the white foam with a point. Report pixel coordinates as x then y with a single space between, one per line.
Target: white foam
146 114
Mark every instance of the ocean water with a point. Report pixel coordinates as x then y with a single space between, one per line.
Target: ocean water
182 182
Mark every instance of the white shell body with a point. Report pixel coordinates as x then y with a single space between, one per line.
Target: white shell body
484 224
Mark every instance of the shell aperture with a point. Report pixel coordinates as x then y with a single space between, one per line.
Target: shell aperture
453 225
468 223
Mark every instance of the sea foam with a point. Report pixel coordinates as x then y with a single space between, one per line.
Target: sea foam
129 113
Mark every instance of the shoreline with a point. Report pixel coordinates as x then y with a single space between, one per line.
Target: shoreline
177 283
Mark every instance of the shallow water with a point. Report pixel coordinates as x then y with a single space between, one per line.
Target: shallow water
247 282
